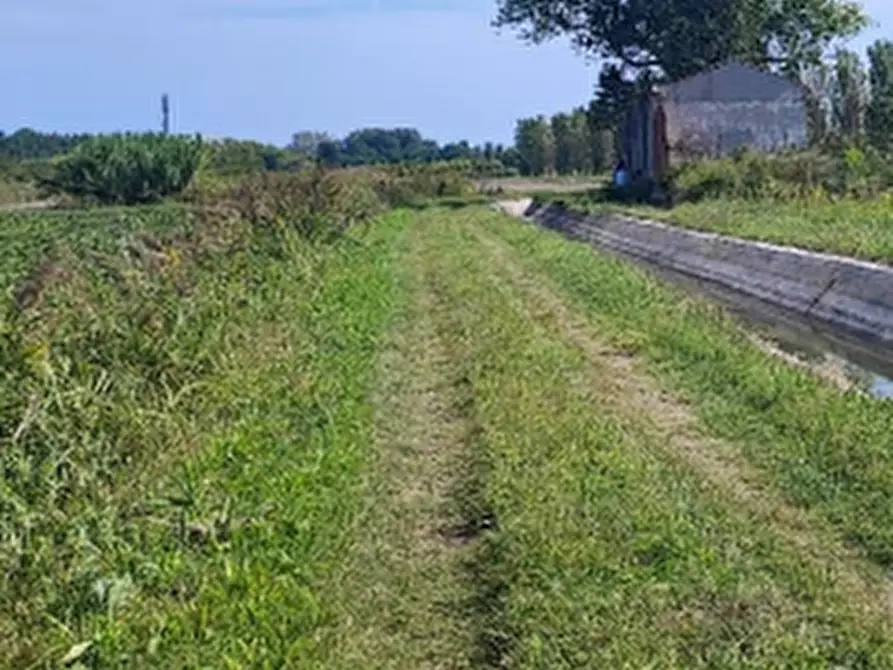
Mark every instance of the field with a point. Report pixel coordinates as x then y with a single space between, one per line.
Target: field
444 440
858 228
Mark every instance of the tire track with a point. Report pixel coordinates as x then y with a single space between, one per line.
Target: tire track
404 591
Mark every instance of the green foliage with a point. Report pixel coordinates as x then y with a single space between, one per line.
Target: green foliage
240 157
850 172
850 96
880 108
28 144
535 142
130 339
682 38
127 169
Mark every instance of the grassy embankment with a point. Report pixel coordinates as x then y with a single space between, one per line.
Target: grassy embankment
181 422
858 228
451 441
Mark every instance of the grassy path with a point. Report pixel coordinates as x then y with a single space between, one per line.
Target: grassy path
466 443
403 590
610 529
607 524
668 422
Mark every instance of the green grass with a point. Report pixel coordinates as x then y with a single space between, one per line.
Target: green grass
827 451
179 446
862 229
605 553
29 238
225 447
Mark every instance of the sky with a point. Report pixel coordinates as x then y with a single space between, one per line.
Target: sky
264 69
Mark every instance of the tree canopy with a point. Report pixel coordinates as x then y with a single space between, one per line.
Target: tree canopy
681 37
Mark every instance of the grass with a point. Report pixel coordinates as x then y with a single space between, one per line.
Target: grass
181 439
858 228
448 440
827 451
607 553
13 192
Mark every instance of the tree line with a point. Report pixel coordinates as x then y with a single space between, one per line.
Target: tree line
366 146
574 142
851 101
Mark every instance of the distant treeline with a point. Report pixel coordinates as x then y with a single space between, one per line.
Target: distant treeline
27 144
367 146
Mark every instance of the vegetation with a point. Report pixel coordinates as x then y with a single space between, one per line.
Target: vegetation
305 407
127 169
861 229
26 143
680 39
249 429
806 436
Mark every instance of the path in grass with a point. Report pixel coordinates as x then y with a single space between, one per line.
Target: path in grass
639 402
608 531
403 591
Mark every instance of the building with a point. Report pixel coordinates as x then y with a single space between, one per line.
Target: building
712 114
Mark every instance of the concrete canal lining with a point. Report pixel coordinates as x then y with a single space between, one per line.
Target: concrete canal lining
853 298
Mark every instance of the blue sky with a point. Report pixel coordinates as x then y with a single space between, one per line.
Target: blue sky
263 69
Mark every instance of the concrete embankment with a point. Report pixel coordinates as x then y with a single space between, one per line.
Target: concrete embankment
851 297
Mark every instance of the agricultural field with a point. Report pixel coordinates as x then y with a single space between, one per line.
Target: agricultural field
850 227
440 439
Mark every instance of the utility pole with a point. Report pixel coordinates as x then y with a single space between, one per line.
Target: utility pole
165 114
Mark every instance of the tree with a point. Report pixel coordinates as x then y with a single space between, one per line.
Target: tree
26 143
536 145
329 153
818 87
850 95
573 150
879 117
308 141
682 37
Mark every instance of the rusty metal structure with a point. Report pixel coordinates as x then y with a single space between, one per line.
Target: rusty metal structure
712 114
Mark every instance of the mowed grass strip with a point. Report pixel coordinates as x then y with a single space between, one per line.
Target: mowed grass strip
229 558
601 553
402 590
826 451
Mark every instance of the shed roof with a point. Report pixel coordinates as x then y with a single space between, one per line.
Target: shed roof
732 82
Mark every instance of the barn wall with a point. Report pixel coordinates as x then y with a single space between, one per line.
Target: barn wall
716 112
717 128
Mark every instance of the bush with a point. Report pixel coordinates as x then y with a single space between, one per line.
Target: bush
127 169
849 172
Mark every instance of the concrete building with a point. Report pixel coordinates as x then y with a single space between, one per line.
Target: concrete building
712 114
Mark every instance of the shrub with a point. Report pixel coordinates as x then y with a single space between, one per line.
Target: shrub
849 172
127 169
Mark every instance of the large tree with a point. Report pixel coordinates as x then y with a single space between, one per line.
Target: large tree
880 109
850 95
680 37
535 143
